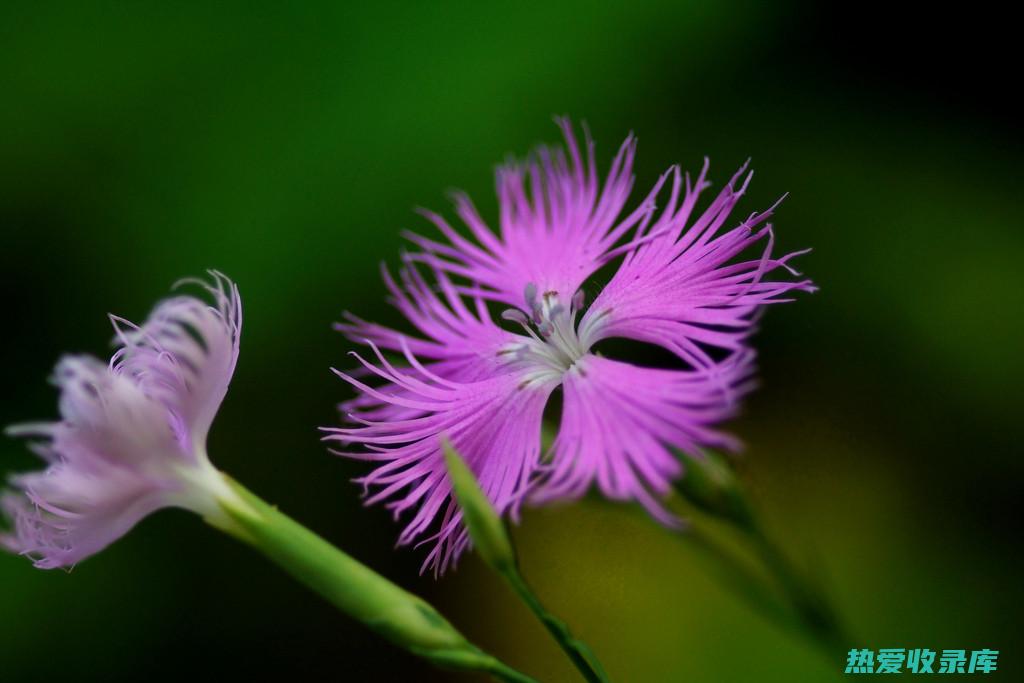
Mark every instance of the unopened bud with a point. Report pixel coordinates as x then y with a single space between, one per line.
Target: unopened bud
710 484
483 523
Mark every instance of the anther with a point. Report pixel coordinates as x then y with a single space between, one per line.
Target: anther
530 294
515 315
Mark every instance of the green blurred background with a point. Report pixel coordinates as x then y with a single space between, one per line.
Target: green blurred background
287 145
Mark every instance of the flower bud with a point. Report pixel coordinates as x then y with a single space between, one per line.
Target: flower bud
484 525
710 484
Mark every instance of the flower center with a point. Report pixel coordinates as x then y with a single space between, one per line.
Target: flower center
553 345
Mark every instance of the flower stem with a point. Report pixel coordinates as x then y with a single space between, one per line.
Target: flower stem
491 538
711 486
738 576
352 587
578 651
809 602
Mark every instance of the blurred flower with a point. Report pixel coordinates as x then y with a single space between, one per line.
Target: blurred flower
485 387
132 433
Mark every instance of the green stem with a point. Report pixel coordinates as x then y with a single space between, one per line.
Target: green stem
810 604
492 540
740 577
578 651
352 587
504 672
808 613
711 485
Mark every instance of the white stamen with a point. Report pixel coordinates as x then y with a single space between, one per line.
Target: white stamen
515 315
556 345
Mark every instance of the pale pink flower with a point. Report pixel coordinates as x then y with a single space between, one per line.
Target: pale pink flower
131 437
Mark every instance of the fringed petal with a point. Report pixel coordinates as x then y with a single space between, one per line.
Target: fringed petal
453 333
620 420
494 423
66 513
460 342
184 355
557 224
108 457
682 290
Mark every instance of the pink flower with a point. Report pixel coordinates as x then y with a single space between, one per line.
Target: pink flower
683 283
132 433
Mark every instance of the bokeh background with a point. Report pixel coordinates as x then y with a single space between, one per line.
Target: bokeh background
287 145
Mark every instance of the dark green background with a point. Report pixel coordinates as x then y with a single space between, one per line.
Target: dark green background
287 146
